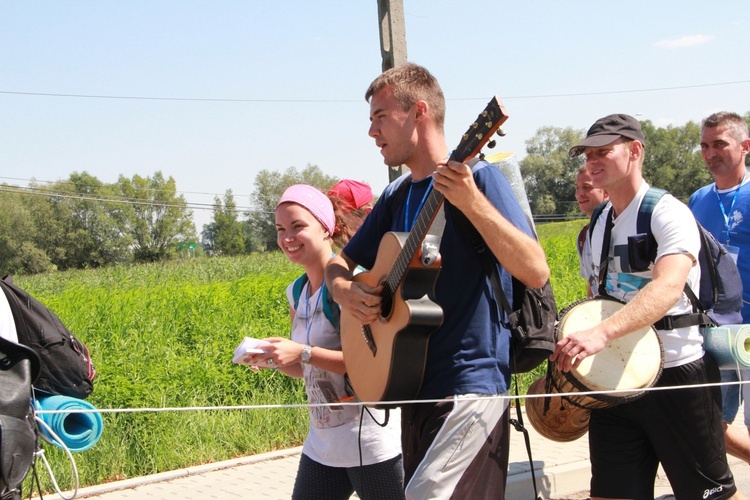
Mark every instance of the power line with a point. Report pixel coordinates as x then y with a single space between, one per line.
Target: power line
192 99
64 182
333 101
631 91
120 200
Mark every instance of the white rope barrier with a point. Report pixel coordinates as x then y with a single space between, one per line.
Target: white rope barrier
388 403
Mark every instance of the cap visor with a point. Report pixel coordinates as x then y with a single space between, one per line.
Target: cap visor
594 141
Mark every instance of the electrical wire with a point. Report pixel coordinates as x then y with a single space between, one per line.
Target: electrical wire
331 101
126 201
136 188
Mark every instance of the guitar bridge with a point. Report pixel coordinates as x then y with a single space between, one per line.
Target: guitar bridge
369 340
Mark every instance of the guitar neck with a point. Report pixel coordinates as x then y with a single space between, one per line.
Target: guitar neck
488 121
416 235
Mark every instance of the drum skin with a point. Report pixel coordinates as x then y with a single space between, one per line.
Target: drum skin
633 361
562 422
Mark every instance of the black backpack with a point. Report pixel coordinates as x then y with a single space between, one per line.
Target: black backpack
531 319
720 298
66 367
19 367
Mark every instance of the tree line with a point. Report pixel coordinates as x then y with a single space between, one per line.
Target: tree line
81 222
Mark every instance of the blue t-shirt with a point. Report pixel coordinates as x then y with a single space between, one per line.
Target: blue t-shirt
469 352
705 207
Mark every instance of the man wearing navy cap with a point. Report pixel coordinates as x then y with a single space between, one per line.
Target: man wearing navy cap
679 428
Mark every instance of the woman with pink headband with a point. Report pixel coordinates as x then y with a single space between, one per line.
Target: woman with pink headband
346 449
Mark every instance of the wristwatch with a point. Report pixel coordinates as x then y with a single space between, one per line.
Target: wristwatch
306 354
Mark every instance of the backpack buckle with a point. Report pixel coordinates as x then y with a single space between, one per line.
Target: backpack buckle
665 323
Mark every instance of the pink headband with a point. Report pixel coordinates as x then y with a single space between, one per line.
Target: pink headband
314 201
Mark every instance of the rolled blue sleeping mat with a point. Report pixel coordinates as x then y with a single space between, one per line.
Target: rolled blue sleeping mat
78 431
729 345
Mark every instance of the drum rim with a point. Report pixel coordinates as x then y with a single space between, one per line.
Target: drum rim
612 400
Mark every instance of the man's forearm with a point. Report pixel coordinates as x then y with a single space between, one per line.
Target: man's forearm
340 267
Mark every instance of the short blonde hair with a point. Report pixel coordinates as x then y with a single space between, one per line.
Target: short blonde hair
412 83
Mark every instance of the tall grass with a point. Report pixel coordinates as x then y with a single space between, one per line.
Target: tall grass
162 336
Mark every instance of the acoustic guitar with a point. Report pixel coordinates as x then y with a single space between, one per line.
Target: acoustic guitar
385 360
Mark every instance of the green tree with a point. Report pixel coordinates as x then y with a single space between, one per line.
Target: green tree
269 186
19 253
155 218
673 159
549 173
225 235
80 229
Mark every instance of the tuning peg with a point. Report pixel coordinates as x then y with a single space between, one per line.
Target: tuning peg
501 132
492 144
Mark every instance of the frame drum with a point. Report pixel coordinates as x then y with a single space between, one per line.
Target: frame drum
633 361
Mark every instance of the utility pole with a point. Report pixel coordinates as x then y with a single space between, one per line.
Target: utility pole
392 33
392 48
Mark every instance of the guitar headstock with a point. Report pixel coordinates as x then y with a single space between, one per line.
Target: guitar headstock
480 131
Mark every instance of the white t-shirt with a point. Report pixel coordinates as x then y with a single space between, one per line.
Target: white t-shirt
675 231
334 435
7 324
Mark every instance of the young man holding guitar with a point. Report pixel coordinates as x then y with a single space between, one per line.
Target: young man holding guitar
457 447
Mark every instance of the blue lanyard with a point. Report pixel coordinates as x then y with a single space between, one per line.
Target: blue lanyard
308 319
407 224
731 207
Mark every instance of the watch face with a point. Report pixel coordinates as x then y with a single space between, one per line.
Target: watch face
306 354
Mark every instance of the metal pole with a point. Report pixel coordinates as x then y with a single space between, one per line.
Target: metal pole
392 48
392 33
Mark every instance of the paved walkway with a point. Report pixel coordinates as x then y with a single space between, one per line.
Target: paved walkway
562 471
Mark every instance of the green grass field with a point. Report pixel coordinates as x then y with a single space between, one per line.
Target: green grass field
162 336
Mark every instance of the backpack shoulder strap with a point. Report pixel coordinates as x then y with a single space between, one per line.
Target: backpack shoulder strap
330 308
297 287
595 216
646 210
472 236
645 213
399 195
710 264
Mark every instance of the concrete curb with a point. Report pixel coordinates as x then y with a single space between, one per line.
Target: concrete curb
551 482
179 473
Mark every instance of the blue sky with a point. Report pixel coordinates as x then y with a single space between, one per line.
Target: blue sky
212 92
